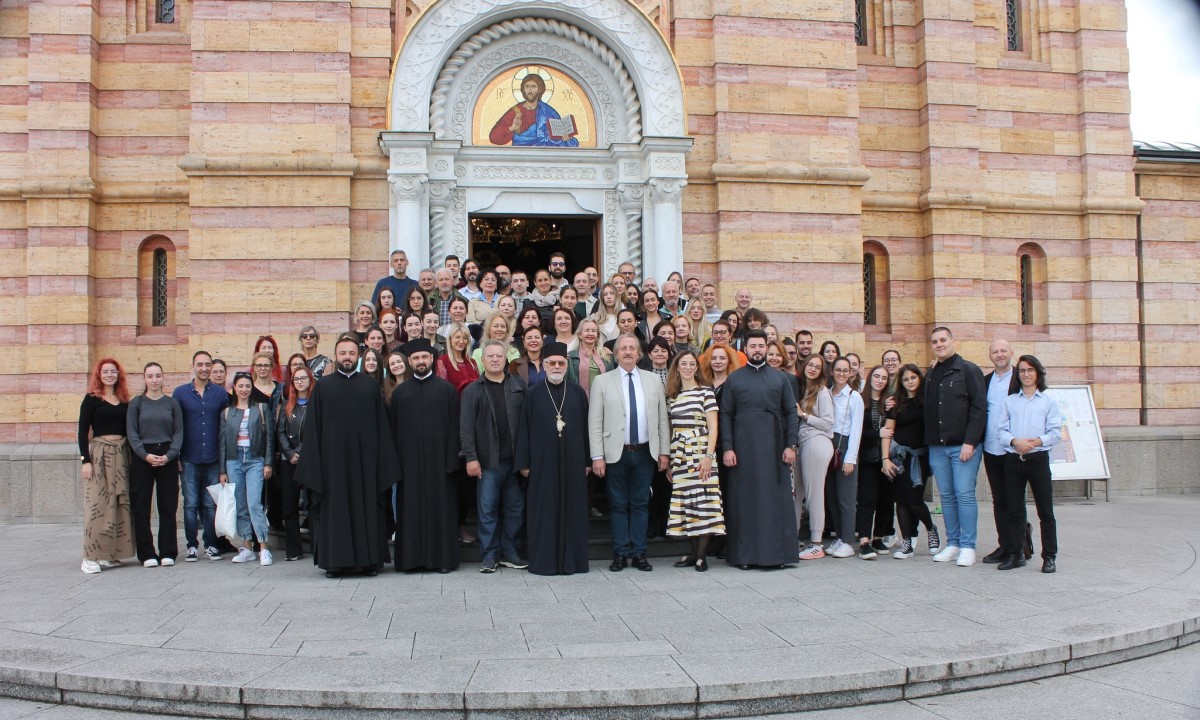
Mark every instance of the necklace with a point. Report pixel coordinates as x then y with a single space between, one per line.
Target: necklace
558 421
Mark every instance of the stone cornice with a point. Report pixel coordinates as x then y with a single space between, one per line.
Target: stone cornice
251 165
788 173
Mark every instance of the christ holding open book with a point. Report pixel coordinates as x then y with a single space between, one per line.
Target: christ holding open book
533 123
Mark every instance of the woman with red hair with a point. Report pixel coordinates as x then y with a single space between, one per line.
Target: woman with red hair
267 344
104 453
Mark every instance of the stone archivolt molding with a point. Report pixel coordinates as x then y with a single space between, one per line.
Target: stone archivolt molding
471 65
615 25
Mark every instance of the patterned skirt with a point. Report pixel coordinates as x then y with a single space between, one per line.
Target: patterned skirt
107 524
695 503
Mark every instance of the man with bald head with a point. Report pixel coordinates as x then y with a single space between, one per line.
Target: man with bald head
744 300
997 383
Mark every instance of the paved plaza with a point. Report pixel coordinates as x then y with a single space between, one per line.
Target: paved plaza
222 640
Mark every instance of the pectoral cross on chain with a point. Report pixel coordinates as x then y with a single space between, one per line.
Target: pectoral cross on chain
558 423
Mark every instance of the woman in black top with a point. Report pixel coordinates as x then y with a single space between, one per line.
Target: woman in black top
155 424
906 461
289 429
104 454
870 464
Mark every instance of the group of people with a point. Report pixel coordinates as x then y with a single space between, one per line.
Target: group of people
477 389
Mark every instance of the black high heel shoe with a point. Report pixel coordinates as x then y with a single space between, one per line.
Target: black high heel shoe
701 565
685 562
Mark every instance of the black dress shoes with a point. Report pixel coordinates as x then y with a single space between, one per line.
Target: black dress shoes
1011 562
1048 565
685 562
995 556
332 574
641 563
618 564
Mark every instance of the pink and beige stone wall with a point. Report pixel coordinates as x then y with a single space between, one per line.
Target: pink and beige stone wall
243 136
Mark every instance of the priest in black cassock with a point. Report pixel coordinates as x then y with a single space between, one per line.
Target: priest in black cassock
349 467
424 419
759 431
552 451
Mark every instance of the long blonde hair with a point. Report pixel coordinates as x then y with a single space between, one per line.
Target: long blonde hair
601 314
452 330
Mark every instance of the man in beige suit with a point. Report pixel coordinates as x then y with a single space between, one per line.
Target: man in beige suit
627 419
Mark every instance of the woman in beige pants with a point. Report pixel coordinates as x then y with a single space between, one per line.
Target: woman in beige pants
816 450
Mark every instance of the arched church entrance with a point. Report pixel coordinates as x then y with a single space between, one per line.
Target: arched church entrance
519 125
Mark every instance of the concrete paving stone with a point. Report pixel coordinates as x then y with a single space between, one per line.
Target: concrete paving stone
721 641
1169 676
418 603
35 627
1058 697
612 604
459 643
334 628
754 615
478 597
837 603
829 629
571 610
303 595
990 610
784 672
578 683
719 597
158 673
237 638
387 648
1098 629
617 649
920 595
961 653
1125 654
35 659
110 623
540 635
288 612
363 682
656 624
217 618
406 624
922 619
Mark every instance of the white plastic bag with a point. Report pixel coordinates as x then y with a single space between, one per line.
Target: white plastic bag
225 522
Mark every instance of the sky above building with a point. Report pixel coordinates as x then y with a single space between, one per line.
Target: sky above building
1164 69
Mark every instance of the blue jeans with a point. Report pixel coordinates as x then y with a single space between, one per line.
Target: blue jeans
247 472
956 486
500 500
196 500
629 499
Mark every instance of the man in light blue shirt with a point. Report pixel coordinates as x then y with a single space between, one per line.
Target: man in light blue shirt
997 381
1030 424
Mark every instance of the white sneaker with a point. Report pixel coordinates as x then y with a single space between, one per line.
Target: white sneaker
192 555
264 557
812 552
150 563
167 562
91 567
841 550
244 555
891 540
109 563
966 557
947 554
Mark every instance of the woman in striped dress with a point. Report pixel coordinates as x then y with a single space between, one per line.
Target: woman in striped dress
696 495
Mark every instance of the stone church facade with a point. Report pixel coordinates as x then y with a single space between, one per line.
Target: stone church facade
186 174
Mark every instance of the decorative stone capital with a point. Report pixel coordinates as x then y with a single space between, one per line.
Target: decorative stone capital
666 191
441 193
632 195
408 188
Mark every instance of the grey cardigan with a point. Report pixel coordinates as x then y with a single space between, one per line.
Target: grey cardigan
820 421
262 433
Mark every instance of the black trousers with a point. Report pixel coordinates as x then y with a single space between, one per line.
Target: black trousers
910 502
870 482
289 508
1034 470
885 508
143 480
993 466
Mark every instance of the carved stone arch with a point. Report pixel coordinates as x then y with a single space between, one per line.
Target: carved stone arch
553 42
616 24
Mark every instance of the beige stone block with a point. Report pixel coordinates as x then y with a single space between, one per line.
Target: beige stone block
271 36
234 138
52 67
370 42
164 217
59 212
143 122
1113 310
264 296
699 100
1105 100
270 191
369 92
789 247
695 52
47 19
291 243
142 76
772 99
817 10
779 197
56 310
60 115
13 310
114 311
786 52
369 194
701 198
1175 229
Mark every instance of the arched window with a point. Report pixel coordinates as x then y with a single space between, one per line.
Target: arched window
1012 24
1031 284
876 297
156 285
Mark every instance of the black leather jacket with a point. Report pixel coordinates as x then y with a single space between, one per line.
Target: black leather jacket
956 405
